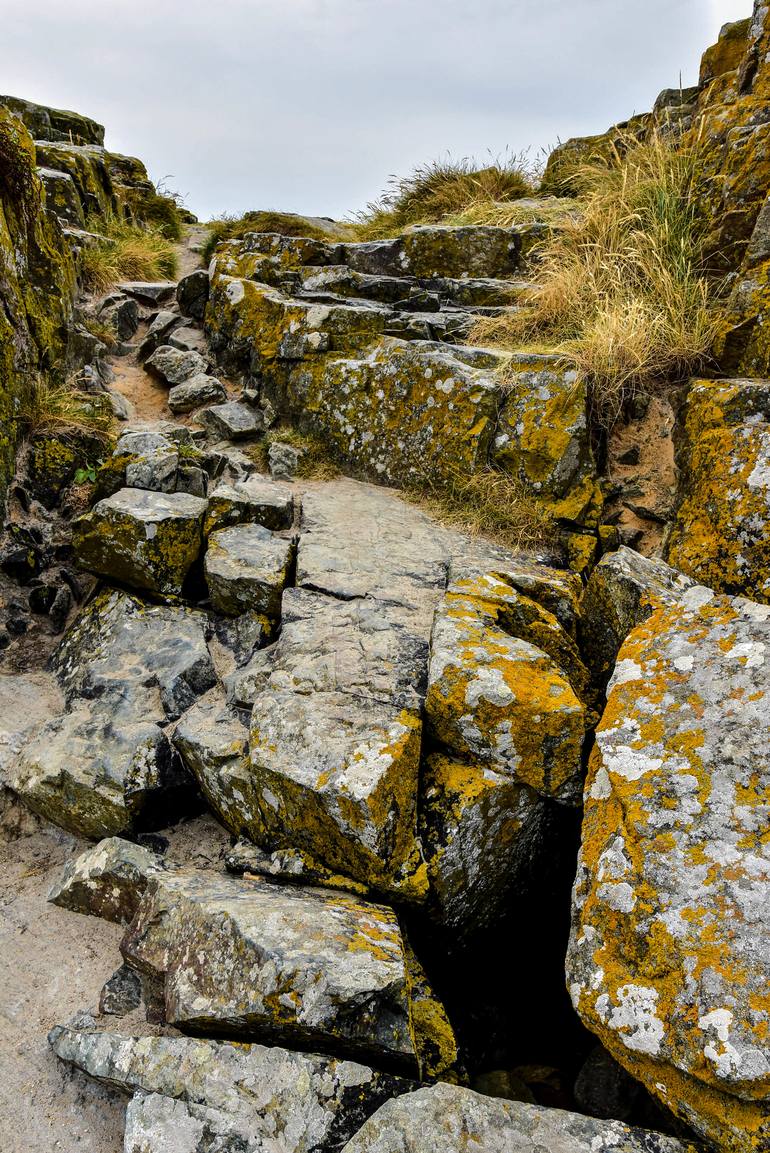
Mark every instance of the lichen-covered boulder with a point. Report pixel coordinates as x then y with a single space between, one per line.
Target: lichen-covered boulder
232 420
500 700
253 959
174 366
478 829
440 250
196 391
543 438
668 960
254 499
107 881
452 1119
721 533
622 591
148 540
247 1097
246 569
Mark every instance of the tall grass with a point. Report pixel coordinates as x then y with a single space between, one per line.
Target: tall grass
58 408
620 287
443 188
125 252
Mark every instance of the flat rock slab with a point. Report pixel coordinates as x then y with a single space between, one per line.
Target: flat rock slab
247 569
233 421
250 958
148 540
244 1097
668 961
254 499
149 292
451 1119
196 391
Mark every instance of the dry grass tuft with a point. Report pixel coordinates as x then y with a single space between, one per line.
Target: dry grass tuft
284 223
125 252
552 210
620 287
443 189
58 408
492 504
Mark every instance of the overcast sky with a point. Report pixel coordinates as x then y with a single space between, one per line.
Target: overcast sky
309 105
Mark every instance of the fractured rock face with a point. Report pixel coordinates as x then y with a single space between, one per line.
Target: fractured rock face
148 540
449 1117
246 569
721 534
298 965
500 700
200 1094
668 958
106 765
255 499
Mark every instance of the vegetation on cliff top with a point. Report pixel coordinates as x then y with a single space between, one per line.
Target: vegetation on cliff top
228 227
620 288
125 251
445 189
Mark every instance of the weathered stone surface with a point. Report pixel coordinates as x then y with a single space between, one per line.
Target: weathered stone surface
149 291
45 123
174 366
254 499
439 250
449 1117
622 591
478 828
293 964
121 994
668 958
193 1096
145 539
198 390
108 880
159 332
233 420
543 438
500 700
246 569
192 293
721 534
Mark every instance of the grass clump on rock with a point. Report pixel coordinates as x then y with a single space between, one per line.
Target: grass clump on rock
443 189
125 251
284 223
59 409
620 286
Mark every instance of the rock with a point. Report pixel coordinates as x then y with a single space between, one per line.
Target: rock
192 294
721 534
108 880
247 569
141 460
622 591
292 866
122 315
159 332
198 390
149 292
291 964
284 459
253 500
449 1117
148 540
121 994
501 701
188 339
439 250
666 962
175 367
604 1089
478 831
233 421
247 1097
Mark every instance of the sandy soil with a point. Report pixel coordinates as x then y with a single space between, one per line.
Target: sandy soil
649 484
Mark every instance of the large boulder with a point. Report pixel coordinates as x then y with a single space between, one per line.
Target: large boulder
201 1094
451 1119
174 366
721 534
252 959
148 540
668 961
247 568
106 764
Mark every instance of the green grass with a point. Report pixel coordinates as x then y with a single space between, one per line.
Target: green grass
125 252
442 189
619 287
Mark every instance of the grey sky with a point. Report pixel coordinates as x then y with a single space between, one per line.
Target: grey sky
309 105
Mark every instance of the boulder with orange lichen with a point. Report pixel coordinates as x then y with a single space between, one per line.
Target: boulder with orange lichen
668 959
721 532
